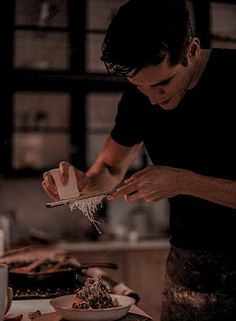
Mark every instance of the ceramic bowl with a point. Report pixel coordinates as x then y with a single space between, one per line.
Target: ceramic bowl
63 306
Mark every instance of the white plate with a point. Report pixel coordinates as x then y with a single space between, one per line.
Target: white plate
63 306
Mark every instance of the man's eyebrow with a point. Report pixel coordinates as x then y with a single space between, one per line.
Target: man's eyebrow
163 81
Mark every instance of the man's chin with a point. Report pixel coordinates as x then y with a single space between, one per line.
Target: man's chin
168 105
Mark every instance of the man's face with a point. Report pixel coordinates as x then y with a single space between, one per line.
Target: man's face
164 84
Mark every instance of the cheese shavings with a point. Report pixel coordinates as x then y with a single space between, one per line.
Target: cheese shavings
94 295
88 207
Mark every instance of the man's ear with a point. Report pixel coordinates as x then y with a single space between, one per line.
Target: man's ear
193 49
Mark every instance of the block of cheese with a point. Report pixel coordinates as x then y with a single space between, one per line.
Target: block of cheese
68 190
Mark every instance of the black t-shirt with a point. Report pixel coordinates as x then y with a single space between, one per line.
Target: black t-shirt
199 135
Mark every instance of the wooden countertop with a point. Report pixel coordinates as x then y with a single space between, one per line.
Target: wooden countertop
113 245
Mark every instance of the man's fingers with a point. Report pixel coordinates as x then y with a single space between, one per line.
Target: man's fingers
128 189
137 175
82 179
50 186
63 170
132 197
51 194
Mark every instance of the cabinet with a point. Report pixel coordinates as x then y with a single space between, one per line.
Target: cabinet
141 266
56 83
215 22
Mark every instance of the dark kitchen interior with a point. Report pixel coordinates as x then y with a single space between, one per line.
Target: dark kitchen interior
58 103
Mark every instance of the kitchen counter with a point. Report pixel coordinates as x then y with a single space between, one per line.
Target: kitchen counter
113 245
26 306
82 246
141 264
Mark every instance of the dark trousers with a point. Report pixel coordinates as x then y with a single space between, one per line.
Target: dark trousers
200 286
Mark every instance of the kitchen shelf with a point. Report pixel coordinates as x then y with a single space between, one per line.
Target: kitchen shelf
41 29
57 80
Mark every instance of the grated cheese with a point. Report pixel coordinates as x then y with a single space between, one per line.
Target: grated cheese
89 207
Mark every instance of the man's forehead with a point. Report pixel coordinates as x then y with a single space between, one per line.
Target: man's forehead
154 73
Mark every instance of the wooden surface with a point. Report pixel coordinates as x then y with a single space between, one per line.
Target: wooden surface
49 317
56 317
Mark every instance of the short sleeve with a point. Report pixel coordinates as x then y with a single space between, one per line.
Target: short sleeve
127 130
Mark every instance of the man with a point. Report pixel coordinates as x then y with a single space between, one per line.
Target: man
180 106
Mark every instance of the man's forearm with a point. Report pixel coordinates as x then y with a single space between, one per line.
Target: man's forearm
103 177
216 190
111 164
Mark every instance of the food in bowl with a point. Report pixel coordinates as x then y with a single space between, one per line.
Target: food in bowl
94 295
63 306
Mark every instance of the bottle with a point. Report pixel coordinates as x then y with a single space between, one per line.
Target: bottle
5 226
2 244
138 221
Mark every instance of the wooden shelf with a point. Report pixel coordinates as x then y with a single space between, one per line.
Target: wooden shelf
41 29
223 37
68 81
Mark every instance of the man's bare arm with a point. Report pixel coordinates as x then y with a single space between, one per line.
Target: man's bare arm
112 164
155 183
216 190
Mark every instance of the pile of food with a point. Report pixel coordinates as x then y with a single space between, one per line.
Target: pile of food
94 295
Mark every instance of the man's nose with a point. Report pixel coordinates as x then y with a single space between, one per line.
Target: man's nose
154 94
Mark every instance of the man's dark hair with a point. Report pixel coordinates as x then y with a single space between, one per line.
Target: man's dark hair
143 32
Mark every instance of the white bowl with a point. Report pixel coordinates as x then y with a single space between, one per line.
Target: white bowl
63 306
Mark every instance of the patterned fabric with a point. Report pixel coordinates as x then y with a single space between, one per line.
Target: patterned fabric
180 304
134 317
200 286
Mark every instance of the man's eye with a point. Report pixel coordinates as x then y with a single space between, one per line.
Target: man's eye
162 83
165 82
